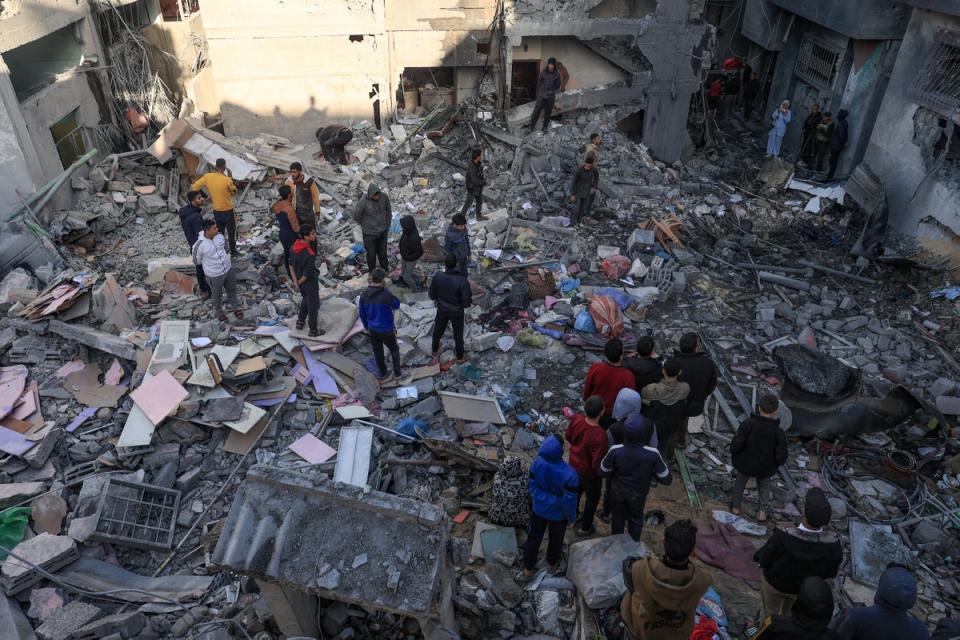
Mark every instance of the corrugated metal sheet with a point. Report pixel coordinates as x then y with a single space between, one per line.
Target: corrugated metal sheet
312 534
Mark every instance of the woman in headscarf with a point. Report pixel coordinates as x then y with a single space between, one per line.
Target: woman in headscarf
509 501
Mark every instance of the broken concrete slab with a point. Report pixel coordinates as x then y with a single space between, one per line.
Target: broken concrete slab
46 551
66 621
94 338
13 493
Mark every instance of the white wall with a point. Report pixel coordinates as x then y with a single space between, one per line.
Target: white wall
587 68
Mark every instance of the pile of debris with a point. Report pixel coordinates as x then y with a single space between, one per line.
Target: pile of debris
215 476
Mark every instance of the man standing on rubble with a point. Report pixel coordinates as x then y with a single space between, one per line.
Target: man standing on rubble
306 197
790 555
191 220
308 278
593 148
210 253
373 213
333 141
665 404
809 617
606 379
697 370
377 308
475 183
632 467
451 293
889 617
757 451
457 243
645 365
547 86
221 187
588 445
583 188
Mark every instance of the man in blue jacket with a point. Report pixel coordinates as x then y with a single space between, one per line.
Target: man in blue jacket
377 306
554 487
632 467
457 242
889 617
191 220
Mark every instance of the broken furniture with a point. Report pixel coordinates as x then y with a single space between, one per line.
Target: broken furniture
137 515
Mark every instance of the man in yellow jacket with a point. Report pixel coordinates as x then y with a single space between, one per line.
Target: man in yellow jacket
220 187
663 593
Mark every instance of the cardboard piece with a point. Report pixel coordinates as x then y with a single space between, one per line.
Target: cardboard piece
159 396
86 388
461 406
241 443
312 449
249 365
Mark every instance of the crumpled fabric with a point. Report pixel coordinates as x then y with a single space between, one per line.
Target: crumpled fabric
615 267
719 545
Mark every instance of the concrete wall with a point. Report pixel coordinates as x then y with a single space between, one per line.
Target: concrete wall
175 38
895 153
765 24
861 19
14 170
37 18
587 68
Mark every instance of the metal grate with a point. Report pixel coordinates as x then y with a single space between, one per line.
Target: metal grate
817 64
937 87
138 515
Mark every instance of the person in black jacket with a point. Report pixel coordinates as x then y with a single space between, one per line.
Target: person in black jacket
809 618
308 278
411 250
757 450
697 370
475 183
333 141
790 555
646 366
547 86
451 292
191 220
838 141
583 188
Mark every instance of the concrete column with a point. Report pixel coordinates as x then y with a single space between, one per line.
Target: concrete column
665 120
294 611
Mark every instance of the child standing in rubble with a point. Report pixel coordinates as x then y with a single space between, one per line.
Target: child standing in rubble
457 242
411 250
308 278
757 451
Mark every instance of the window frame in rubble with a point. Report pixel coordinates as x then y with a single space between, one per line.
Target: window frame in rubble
937 86
808 72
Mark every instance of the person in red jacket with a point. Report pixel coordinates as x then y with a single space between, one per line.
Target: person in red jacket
588 445
606 379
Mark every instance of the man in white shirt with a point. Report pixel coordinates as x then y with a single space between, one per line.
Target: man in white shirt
210 252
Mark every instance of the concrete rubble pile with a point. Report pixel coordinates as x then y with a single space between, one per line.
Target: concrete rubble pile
239 474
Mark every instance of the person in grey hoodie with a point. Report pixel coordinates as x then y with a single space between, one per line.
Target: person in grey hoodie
547 87
373 213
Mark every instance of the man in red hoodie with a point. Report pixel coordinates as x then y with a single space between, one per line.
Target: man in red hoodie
588 445
606 379
308 278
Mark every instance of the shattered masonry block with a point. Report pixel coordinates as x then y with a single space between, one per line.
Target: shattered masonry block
47 551
15 492
125 625
66 621
188 480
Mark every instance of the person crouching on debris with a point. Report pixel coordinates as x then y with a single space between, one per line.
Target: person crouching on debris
583 189
457 242
509 501
588 445
475 183
307 278
809 617
374 214
665 404
377 308
790 555
210 253
632 467
221 188
191 221
757 451
289 226
780 119
606 379
889 617
554 488
333 141
411 250
451 293
663 593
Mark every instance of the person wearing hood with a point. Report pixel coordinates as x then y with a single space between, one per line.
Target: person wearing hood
948 628
308 278
588 445
191 221
377 308
305 197
809 618
631 468
790 555
451 293
757 450
697 370
665 404
509 500
554 488
373 214
475 183
411 250
838 141
333 141
289 225
647 368
457 242
889 617
663 593
547 86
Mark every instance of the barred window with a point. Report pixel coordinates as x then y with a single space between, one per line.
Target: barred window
937 86
817 64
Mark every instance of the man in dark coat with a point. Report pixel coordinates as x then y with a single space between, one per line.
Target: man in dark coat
757 450
547 86
838 141
807 146
647 368
583 188
191 220
333 141
475 183
889 617
451 293
697 370
809 617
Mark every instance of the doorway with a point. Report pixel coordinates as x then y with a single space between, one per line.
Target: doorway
523 81
68 137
